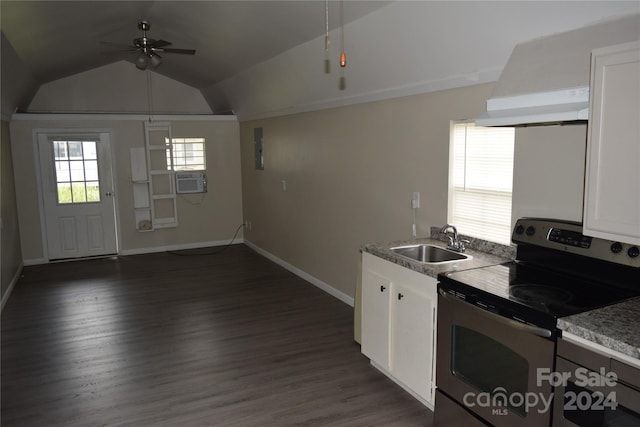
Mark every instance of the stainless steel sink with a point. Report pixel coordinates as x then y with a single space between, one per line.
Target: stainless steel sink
429 254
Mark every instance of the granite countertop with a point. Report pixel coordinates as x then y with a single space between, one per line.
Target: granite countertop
483 253
614 327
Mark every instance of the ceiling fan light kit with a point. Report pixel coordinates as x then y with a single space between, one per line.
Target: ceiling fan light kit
155 59
142 61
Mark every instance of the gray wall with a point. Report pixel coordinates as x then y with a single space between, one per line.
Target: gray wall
203 218
10 251
350 173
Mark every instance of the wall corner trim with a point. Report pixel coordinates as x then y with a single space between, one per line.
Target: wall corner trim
14 280
303 275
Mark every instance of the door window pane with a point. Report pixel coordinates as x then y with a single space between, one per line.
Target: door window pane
62 171
76 169
91 170
93 191
64 192
488 365
78 192
89 151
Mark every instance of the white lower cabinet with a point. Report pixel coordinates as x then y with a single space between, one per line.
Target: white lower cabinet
398 324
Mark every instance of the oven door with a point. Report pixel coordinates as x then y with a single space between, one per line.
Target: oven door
588 400
489 365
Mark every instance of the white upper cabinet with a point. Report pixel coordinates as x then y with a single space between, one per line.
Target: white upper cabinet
612 184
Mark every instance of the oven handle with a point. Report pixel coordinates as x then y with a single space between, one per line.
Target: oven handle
535 330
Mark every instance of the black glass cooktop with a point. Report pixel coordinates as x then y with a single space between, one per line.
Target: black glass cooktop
530 294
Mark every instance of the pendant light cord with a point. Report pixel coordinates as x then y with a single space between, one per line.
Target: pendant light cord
326 25
343 54
149 96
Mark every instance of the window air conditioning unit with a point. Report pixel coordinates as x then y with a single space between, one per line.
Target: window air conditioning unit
191 182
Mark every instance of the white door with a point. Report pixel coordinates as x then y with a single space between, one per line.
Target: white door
77 190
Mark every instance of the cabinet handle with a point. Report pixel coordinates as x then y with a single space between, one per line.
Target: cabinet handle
382 288
400 296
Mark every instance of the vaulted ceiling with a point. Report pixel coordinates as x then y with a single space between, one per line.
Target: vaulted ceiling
394 45
57 39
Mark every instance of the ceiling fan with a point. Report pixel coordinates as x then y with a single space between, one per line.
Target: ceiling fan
148 48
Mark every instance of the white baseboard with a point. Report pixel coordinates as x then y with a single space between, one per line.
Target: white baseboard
198 245
14 280
154 249
309 278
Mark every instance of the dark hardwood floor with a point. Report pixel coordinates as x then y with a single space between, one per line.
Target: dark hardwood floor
229 339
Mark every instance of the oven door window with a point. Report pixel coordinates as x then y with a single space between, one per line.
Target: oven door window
489 367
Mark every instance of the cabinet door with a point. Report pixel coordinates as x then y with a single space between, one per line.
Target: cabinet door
412 335
375 317
612 186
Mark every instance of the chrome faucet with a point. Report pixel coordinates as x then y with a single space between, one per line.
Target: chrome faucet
455 244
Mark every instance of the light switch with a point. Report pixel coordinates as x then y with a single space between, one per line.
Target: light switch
415 201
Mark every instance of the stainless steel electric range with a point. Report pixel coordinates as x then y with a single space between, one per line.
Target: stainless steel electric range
497 324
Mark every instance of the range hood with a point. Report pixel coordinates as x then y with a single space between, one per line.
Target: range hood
546 80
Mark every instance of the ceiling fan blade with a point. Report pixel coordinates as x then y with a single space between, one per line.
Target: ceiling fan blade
161 43
119 46
118 52
182 51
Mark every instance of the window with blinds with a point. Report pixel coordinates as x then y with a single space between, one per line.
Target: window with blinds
480 181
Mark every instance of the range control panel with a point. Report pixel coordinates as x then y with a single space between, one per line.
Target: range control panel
567 236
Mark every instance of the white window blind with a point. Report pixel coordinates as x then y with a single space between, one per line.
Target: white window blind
480 182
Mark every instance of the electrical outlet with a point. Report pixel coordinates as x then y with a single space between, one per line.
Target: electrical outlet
247 225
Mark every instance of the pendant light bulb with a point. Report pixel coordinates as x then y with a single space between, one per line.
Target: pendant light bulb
343 55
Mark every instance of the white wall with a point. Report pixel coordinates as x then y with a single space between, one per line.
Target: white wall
203 219
118 88
16 81
548 176
351 171
10 252
121 89
405 48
